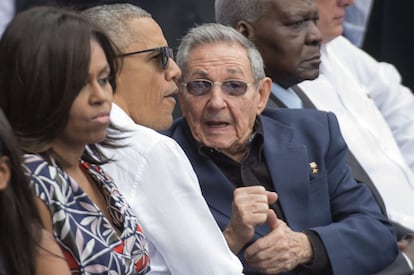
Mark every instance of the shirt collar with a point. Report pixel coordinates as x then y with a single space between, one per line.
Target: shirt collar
120 118
287 96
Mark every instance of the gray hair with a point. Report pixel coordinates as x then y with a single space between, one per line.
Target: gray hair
229 12
213 33
114 19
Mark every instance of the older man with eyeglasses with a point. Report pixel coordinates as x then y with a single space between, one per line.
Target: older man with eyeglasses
277 183
151 169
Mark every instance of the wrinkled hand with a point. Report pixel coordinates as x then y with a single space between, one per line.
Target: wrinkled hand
250 208
407 246
279 251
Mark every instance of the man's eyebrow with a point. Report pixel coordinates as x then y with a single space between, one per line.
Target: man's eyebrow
235 71
199 73
204 74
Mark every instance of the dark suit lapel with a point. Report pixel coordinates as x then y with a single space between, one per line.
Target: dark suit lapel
288 165
275 102
358 171
307 103
217 190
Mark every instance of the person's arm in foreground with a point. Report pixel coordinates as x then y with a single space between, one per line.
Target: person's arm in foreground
281 250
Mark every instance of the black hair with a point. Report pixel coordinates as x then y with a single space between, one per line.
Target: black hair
44 62
20 229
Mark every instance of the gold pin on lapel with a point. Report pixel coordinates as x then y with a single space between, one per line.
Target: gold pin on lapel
314 167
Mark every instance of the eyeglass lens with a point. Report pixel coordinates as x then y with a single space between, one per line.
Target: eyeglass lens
166 54
230 87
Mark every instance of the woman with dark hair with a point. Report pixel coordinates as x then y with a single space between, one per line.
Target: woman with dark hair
26 248
56 83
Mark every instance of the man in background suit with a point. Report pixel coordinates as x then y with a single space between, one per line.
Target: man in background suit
298 154
289 41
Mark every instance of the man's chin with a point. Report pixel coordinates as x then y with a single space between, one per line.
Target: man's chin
310 74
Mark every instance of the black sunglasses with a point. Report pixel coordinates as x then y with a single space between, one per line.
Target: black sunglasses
165 54
231 87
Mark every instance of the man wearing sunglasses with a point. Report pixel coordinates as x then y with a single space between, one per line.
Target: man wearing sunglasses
277 183
151 169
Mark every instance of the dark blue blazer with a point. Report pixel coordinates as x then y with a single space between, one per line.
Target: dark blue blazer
357 237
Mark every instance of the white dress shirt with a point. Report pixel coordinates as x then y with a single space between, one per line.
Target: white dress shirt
159 183
376 117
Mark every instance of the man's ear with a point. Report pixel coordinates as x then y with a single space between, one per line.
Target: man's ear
246 29
264 90
5 172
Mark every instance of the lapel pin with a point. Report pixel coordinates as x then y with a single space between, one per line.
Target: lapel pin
314 167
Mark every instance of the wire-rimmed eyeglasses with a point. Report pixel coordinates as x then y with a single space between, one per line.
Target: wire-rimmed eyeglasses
233 87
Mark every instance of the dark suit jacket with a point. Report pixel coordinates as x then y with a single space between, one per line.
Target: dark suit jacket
399 266
358 171
357 237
